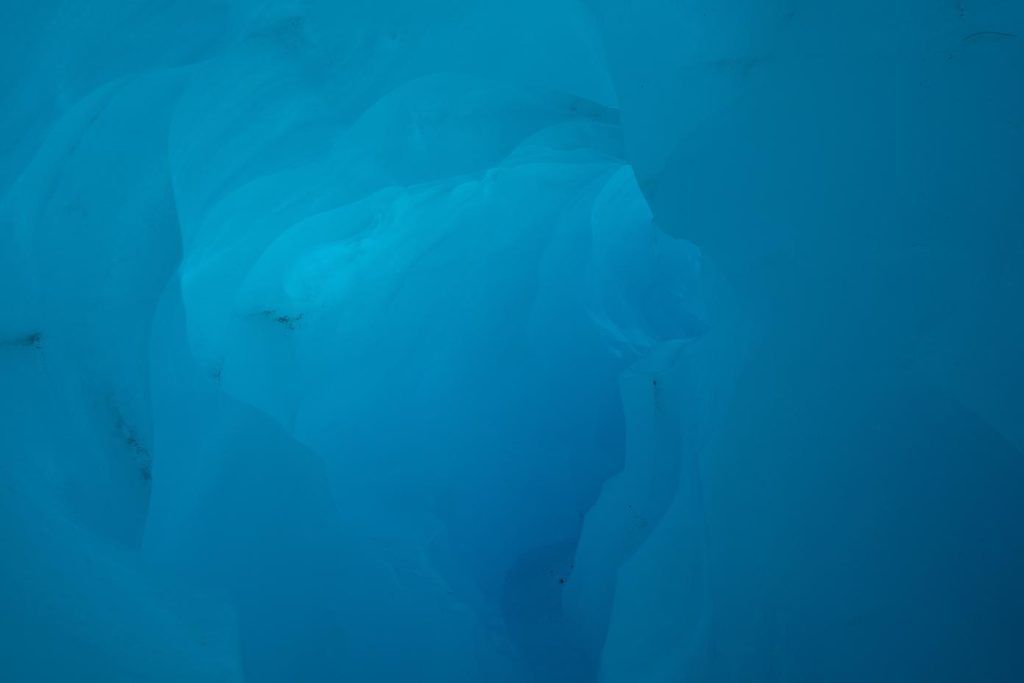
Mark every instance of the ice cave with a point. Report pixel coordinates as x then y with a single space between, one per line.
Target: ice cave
546 341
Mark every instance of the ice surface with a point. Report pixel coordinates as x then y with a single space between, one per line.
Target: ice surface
465 340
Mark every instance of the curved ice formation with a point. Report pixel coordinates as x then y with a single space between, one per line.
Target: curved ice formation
461 340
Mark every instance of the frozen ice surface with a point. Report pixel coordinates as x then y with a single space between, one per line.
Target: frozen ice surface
463 340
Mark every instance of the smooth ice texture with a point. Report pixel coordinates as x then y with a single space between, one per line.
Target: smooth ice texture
464 340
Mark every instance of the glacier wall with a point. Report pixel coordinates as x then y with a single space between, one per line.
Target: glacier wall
457 340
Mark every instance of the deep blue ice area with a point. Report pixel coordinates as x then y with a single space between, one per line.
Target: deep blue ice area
476 341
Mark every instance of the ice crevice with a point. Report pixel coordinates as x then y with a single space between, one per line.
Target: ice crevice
584 340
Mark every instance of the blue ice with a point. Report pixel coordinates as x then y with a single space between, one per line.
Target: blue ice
464 341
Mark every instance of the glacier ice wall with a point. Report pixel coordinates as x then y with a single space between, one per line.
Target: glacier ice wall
460 340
